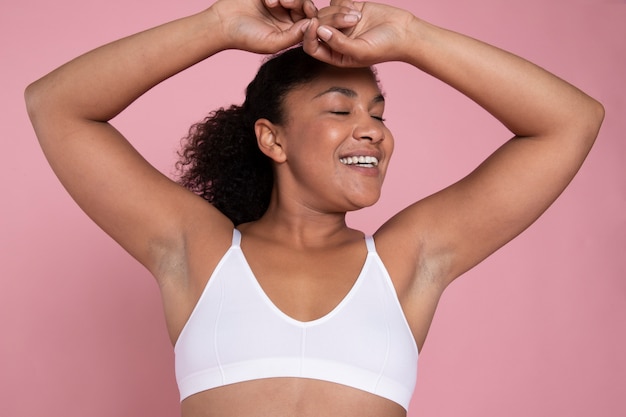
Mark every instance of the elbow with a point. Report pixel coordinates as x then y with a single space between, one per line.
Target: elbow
585 122
593 120
598 114
29 98
33 98
42 109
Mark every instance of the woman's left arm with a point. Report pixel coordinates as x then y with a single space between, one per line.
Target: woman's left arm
554 126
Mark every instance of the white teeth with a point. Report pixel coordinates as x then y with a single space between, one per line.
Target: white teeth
370 161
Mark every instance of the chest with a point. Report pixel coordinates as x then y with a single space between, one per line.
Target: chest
305 285
237 333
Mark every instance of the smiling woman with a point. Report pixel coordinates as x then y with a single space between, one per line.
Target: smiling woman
335 116
274 305
226 158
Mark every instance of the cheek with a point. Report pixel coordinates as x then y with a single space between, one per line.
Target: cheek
389 139
318 137
389 145
388 148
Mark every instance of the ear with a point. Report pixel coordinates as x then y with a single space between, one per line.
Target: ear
267 139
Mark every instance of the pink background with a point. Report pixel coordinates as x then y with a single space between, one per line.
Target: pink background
539 329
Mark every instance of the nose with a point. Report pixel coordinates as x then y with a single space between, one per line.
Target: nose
369 128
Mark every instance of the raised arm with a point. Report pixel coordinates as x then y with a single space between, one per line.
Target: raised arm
148 214
554 126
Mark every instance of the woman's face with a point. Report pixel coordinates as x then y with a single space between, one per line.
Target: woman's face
336 144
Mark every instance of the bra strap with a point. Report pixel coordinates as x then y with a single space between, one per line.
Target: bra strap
369 241
236 237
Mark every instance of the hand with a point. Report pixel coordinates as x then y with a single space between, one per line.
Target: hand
263 26
381 33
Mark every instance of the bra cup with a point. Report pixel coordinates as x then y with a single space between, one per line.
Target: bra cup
236 334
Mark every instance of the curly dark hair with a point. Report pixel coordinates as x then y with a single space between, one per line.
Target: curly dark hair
220 159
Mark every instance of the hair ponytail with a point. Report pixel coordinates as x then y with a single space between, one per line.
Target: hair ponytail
221 162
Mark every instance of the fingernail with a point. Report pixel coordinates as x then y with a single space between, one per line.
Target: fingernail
350 18
305 26
324 33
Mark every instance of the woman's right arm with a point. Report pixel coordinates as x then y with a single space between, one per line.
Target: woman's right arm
145 212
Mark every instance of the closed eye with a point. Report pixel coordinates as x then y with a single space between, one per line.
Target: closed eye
345 113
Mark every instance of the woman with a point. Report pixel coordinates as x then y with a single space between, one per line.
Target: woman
281 309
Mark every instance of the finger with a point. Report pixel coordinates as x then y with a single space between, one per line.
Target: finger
341 18
343 51
287 4
310 10
312 44
345 3
330 10
291 36
321 51
297 9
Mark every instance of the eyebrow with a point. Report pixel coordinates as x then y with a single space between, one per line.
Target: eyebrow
349 93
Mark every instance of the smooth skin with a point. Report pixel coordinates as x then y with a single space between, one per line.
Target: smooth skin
303 254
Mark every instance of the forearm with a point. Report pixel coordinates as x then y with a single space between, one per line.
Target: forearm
101 83
525 98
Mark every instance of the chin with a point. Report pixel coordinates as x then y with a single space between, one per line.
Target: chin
364 201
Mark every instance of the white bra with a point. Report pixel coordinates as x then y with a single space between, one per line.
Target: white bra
235 333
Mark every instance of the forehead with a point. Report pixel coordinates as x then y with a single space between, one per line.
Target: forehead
350 82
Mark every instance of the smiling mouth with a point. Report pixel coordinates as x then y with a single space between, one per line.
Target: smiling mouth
361 161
